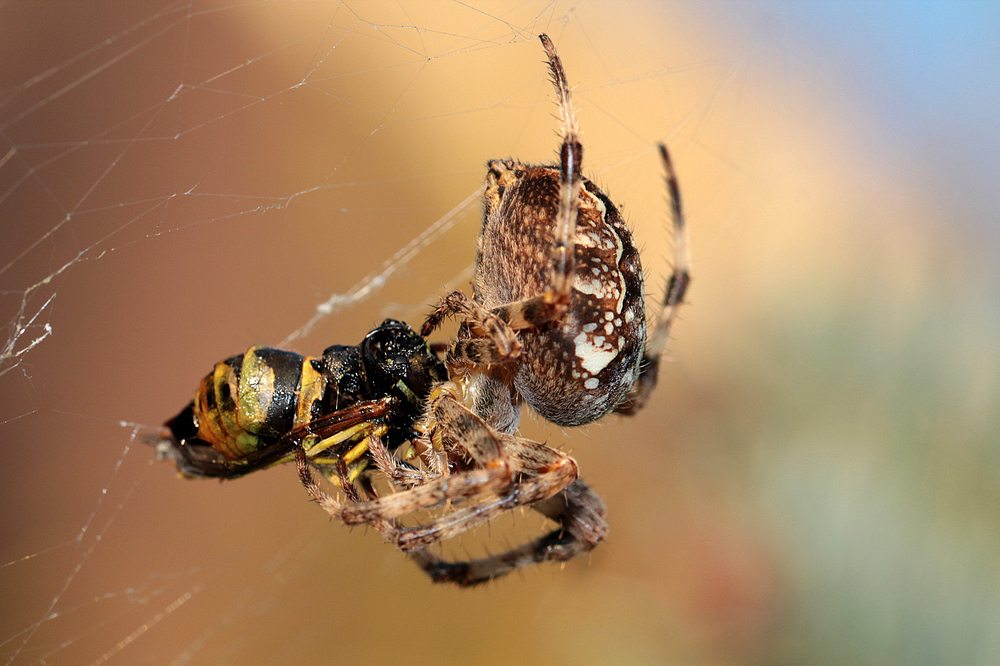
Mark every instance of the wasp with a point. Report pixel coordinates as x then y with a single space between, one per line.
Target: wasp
257 409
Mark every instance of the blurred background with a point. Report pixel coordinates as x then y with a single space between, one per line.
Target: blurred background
816 479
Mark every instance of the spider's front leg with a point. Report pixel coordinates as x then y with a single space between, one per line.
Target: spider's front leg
579 512
450 426
570 179
673 298
492 339
542 473
552 303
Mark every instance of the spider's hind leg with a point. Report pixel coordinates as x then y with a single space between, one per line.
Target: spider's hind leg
673 298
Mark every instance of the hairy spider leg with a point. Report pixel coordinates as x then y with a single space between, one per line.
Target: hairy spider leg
578 510
677 286
545 472
497 344
570 178
542 474
450 422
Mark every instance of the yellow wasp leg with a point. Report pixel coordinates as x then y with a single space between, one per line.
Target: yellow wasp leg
346 435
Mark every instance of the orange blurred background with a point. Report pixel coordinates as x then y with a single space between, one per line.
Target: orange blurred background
815 479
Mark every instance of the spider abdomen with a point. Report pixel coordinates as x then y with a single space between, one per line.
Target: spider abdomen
577 368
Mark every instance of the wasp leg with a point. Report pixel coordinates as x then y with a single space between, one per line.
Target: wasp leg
349 424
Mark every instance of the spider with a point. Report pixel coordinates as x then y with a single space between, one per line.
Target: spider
557 320
351 414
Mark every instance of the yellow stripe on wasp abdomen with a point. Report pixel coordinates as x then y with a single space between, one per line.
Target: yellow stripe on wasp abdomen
252 399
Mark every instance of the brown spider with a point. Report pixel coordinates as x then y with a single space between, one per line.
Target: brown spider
558 321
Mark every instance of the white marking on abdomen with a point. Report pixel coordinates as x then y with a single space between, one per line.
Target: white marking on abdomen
593 357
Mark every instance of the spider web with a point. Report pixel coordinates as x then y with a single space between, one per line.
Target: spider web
179 180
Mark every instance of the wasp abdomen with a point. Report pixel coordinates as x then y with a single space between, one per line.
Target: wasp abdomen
249 401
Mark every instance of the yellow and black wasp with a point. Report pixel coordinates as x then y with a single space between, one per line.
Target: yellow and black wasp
258 409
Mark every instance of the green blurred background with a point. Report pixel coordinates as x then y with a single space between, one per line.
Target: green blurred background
815 480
